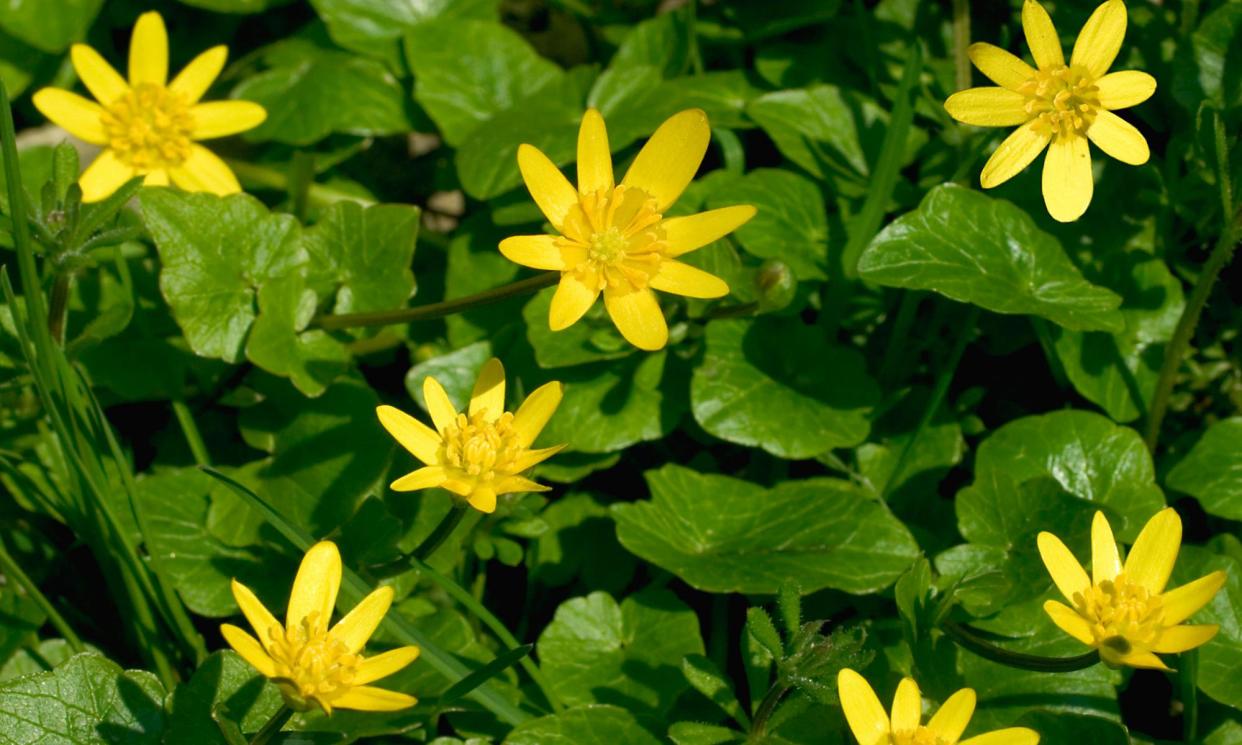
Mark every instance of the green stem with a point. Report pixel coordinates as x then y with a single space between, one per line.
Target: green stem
1188 682
961 43
968 639
193 437
937 397
58 307
732 311
894 350
273 726
692 29
766 708
438 536
301 180
13 571
437 310
262 177
1190 16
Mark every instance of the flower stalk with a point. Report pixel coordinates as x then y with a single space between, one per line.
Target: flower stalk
968 639
273 726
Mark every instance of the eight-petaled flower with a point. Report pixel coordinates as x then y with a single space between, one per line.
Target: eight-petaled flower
479 453
1059 107
613 237
311 663
873 726
148 126
1122 609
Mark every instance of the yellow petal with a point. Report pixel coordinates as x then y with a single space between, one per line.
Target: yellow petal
249 649
907 706
530 458
1041 36
416 437
1000 66
260 618
535 411
156 178
443 413
1105 561
203 171
511 484
104 82
1118 138
1067 573
594 157
683 279
1155 550
460 487
360 623
224 118
1181 638
551 191
483 499
667 163
195 78
1017 151
382 665
863 711
1069 621
1121 90
1100 38
76 115
572 300
315 586
423 478
951 720
638 317
1067 181
684 234
367 698
103 177
148 51
1009 736
489 391
1183 602
1144 659
542 252
988 107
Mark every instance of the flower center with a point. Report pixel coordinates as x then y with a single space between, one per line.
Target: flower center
149 128
918 736
620 230
311 666
482 449
1064 100
1122 614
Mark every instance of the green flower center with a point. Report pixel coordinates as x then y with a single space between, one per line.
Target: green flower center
607 247
481 449
918 736
1122 614
311 665
149 128
1063 100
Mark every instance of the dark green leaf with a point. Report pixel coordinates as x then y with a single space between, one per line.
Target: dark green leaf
1212 471
583 725
49 25
364 254
225 685
790 224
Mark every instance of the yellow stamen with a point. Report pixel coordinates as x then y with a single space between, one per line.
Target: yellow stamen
149 128
481 449
1064 100
620 230
311 665
1122 614
918 736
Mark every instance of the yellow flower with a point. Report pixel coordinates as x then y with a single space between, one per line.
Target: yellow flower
872 726
614 237
1123 610
480 453
147 127
1058 106
310 663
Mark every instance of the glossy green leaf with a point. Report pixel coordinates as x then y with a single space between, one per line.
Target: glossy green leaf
1212 471
1220 658
227 686
593 648
773 384
312 91
375 27
87 700
985 251
281 343
591 339
581 541
49 25
584 725
364 255
790 224
708 529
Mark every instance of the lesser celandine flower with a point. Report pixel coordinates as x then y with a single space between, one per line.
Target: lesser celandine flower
479 453
1122 609
1059 107
614 237
311 663
872 725
148 126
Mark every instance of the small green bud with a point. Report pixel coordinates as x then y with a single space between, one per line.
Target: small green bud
776 285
